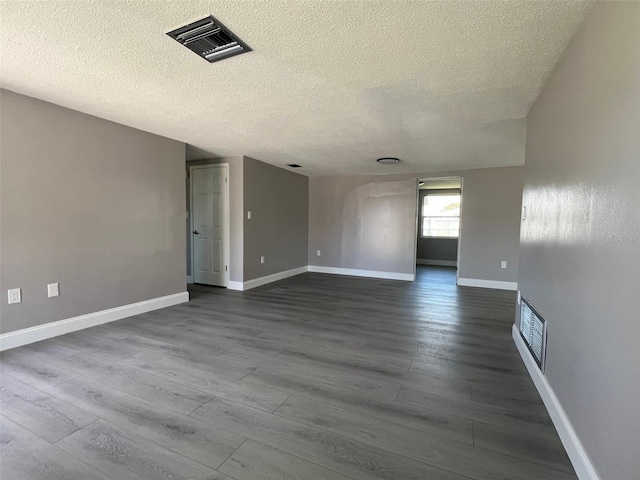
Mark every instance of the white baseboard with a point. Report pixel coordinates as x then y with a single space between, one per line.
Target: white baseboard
256 282
409 277
231 285
189 279
274 277
572 444
477 282
53 329
437 263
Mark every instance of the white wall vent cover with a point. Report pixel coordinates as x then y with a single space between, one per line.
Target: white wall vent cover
533 329
210 39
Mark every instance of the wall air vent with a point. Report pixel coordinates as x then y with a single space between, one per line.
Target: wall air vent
533 330
209 39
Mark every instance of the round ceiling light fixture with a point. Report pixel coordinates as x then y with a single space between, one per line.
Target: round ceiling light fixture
388 160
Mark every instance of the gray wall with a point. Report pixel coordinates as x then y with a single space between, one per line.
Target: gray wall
91 204
369 222
279 228
236 225
580 255
440 249
363 222
490 223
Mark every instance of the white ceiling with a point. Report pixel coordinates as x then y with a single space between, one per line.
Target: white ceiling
330 85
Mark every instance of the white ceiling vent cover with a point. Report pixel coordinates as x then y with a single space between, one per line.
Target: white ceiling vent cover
210 39
533 329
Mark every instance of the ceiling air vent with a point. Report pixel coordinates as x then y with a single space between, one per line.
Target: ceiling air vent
210 39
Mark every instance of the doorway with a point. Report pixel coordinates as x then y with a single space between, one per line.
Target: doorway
209 226
439 227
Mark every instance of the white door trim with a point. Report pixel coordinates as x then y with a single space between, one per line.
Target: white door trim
458 259
225 167
419 220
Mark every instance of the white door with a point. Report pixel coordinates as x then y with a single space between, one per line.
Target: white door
209 194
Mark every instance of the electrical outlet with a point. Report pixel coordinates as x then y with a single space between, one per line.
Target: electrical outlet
503 264
15 295
262 259
248 214
53 289
318 253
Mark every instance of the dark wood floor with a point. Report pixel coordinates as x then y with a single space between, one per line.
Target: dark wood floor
314 377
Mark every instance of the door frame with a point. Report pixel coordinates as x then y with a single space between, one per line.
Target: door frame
418 219
225 220
458 259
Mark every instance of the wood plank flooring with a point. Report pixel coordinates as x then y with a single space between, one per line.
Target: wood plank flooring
313 377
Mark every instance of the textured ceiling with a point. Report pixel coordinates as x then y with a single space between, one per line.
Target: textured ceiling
330 85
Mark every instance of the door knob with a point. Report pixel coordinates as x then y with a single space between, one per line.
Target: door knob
196 232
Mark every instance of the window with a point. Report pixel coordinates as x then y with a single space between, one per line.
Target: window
441 215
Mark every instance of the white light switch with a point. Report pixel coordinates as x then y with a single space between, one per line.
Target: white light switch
248 214
318 253
524 213
15 295
261 259
503 264
53 289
